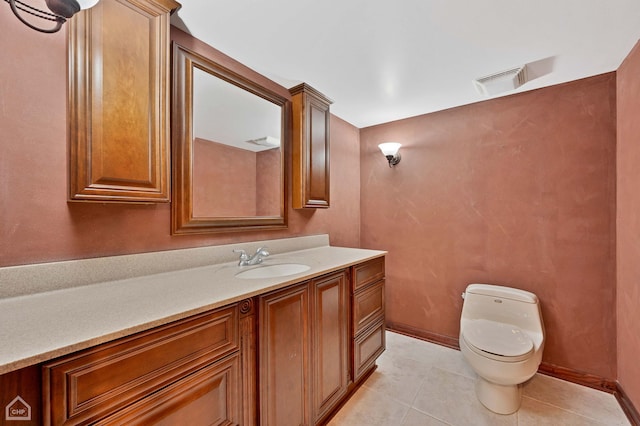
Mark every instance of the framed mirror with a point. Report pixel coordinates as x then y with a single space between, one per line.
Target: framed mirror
230 136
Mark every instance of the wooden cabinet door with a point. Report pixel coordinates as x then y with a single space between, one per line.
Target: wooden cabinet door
284 357
330 330
310 151
211 396
119 101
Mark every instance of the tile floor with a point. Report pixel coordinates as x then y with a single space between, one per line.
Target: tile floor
420 383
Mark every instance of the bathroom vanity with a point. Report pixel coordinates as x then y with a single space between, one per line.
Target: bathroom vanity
199 345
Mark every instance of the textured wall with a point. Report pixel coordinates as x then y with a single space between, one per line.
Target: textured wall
269 170
217 168
230 181
517 191
36 222
628 225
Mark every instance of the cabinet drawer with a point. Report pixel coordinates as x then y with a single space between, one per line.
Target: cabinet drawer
368 272
368 306
94 383
210 396
367 347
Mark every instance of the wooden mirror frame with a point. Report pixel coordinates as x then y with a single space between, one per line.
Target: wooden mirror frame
182 218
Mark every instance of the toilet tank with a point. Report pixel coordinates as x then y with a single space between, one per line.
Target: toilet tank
503 304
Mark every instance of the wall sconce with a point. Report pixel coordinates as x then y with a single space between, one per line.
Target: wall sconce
390 150
62 10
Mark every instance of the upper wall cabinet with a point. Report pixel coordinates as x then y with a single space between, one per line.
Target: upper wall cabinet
310 147
119 101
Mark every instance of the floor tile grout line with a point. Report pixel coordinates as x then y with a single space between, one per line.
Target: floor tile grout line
431 415
566 409
379 392
406 413
384 395
413 401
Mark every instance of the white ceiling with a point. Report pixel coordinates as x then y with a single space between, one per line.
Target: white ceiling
227 114
383 60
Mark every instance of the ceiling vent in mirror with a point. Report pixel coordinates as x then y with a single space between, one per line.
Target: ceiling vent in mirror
268 141
501 82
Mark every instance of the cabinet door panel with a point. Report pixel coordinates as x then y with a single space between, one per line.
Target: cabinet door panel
319 152
284 361
331 339
211 396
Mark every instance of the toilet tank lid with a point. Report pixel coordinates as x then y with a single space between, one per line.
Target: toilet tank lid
502 292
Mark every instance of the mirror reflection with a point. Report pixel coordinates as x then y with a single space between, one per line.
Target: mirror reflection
230 136
236 144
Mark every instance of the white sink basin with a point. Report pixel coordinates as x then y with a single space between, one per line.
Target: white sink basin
273 271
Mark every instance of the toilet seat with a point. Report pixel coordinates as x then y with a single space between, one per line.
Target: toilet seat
499 341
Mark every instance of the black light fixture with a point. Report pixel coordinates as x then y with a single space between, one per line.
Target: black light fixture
61 10
390 151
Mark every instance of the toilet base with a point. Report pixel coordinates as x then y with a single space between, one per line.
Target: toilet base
501 399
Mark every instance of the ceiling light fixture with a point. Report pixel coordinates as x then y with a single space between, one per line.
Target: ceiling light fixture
391 151
62 10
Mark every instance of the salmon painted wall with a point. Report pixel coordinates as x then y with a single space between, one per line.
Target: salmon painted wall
628 225
230 167
36 222
516 191
254 175
268 166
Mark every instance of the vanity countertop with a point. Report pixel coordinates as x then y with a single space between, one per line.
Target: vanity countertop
42 326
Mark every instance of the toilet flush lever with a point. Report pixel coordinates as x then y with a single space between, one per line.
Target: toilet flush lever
462 295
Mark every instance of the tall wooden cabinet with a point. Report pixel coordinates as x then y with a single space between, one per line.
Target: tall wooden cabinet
310 147
119 101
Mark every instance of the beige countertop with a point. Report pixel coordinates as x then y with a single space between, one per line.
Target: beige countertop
42 326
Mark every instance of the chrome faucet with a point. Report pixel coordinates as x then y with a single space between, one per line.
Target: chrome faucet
257 258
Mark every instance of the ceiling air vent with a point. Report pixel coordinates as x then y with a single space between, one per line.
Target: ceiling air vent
501 82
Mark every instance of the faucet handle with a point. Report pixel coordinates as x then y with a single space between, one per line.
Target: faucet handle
263 251
243 254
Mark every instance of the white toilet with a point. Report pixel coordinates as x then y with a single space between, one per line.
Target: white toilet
502 338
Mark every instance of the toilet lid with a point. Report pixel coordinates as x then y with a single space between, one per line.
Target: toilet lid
504 340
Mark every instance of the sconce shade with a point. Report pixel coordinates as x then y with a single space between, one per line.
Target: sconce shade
87 4
390 150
